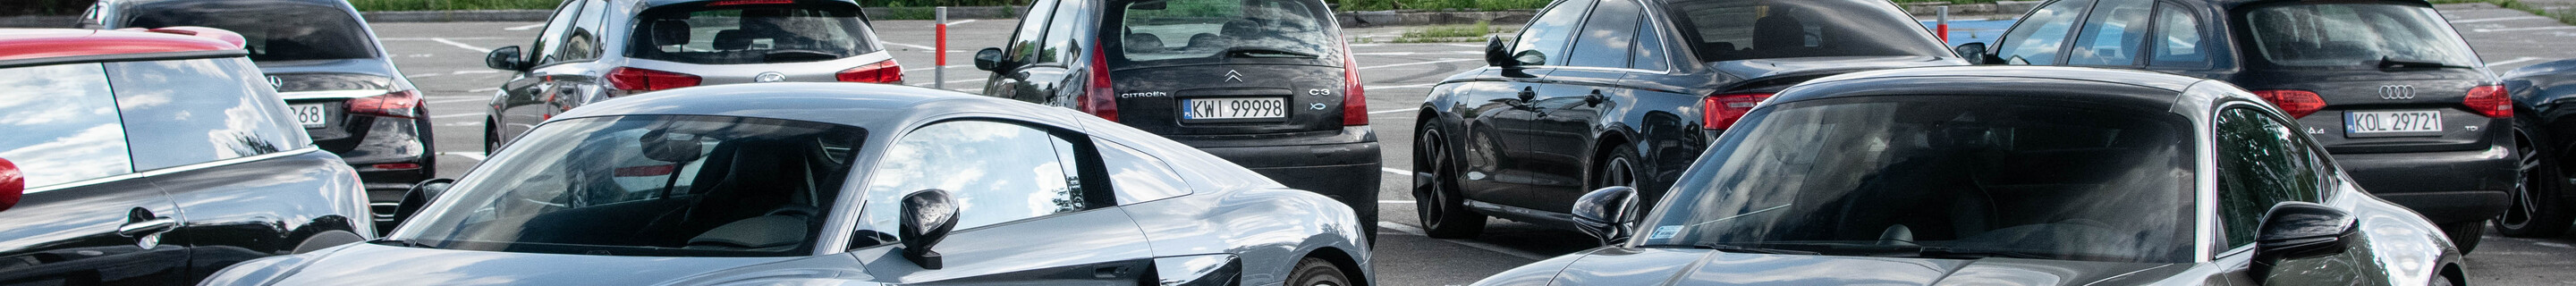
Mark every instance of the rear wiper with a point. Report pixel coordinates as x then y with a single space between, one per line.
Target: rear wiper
2392 63
1744 249
1259 52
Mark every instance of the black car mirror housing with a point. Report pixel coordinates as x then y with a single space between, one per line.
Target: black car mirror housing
988 59
1606 213
927 216
1498 54
13 184
1974 52
419 197
505 58
2293 230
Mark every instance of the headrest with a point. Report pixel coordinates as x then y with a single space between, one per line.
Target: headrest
670 32
1144 42
1779 31
732 40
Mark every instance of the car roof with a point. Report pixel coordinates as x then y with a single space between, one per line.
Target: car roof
2112 87
669 2
27 46
130 4
869 106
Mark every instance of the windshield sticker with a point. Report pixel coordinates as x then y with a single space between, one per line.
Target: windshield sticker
1663 232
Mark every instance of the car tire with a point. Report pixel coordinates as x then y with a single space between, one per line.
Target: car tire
491 136
2538 208
2465 235
1317 272
428 143
1436 198
1619 168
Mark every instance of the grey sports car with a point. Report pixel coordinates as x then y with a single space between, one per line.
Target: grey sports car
843 184
2007 176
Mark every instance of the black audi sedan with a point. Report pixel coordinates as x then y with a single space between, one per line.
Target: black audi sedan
845 184
339 82
155 158
1267 84
2006 176
2387 86
1625 93
2544 204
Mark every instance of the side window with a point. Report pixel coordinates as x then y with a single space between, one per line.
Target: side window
1544 42
2113 36
180 112
2178 43
545 50
998 172
582 44
2038 38
1650 48
1137 177
62 124
1061 43
2261 162
1026 43
1607 36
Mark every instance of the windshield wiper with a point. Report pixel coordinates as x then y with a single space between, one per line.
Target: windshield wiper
2392 63
1262 52
404 243
1746 249
1945 252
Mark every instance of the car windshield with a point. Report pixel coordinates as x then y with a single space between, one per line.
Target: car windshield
2347 35
1940 177
649 186
1172 32
750 34
272 30
1727 30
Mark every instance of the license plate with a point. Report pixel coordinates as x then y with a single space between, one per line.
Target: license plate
310 115
2366 122
1234 108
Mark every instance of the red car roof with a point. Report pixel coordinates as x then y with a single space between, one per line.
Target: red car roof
20 44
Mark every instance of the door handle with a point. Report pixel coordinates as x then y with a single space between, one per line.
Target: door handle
1527 94
1595 98
145 228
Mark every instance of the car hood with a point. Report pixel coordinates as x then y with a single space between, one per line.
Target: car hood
369 263
1650 266
1761 72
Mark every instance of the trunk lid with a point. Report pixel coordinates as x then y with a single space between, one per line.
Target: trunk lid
1230 99
2351 95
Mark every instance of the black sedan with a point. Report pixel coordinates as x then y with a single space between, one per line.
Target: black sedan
339 82
845 184
2543 203
2007 176
1625 92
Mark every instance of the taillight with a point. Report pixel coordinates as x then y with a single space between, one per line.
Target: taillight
2489 100
2298 103
1099 99
399 104
1354 98
880 72
1720 111
642 80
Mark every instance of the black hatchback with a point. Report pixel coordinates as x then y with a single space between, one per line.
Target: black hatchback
2387 86
1267 84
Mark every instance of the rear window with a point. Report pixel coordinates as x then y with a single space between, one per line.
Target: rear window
1726 30
274 31
751 34
2355 35
1163 32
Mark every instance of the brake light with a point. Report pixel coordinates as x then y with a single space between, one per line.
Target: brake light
1722 110
880 72
1099 99
399 104
2489 100
635 80
1354 97
2298 103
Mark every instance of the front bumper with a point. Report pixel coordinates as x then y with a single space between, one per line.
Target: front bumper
2446 187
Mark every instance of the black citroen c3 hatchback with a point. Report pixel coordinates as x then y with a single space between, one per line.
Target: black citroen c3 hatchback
1267 84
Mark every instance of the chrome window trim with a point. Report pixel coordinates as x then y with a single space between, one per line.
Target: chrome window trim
175 169
1651 15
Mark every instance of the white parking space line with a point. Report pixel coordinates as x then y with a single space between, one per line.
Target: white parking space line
1418 63
961 22
525 28
1399 86
1395 171
953 81
487 89
462 72
2498 19
477 156
949 66
461 45
447 101
910 45
2554 244
2524 29
1394 202
1467 45
456 115
2514 60
1389 111
1407 229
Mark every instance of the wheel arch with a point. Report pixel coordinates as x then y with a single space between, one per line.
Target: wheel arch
1342 258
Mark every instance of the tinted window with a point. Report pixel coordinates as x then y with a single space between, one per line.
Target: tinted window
2355 35
180 112
1139 177
2113 35
1650 48
1967 174
2036 40
582 43
1607 36
1031 36
561 22
2179 43
1199 31
998 172
1726 30
738 34
1545 40
1062 46
272 30
62 124
612 186
2261 162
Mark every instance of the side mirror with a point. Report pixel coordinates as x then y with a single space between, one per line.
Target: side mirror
1607 213
988 59
13 184
2293 230
928 215
1498 54
505 58
1973 52
418 197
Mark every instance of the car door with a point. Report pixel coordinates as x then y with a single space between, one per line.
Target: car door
81 186
1034 208
1540 50
1596 72
527 98
2263 160
247 180
2041 37
1026 58
569 68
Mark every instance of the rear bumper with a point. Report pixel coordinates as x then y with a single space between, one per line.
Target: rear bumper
1345 166
2445 187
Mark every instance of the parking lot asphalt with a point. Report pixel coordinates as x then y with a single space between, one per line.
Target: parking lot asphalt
445 61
